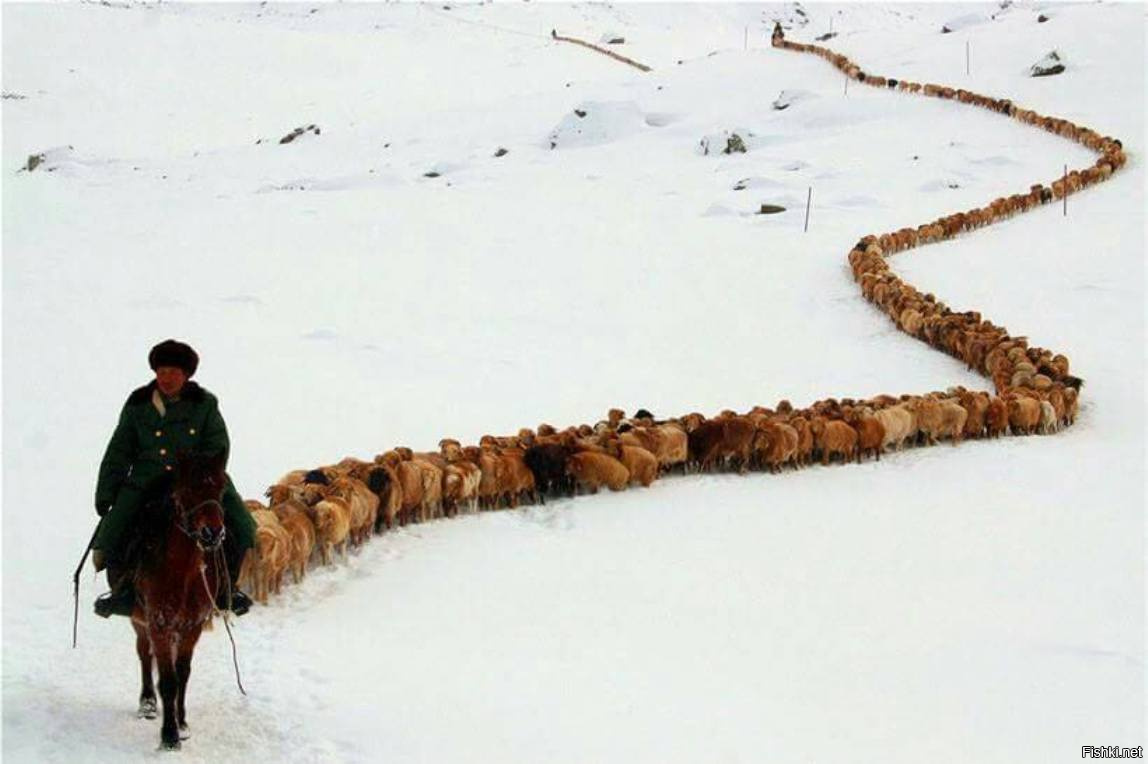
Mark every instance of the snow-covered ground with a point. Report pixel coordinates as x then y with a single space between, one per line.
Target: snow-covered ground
983 603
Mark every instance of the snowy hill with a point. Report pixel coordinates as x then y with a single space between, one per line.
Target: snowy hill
981 603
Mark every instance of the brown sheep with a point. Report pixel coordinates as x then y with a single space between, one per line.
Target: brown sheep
461 480
976 405
263 567
1049 423
900 426
804 440
667 442
672 445
870 433
383 481
729 437
430 474
293 517
832 436
363 503
640 463
490 468
1023 413
593 470
451 450
996 417
776 445
332 520
937 419
1072 404
294 477
410 479
515 480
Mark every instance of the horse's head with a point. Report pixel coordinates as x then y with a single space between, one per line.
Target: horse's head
196 491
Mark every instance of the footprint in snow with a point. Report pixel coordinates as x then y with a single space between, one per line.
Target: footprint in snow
241 299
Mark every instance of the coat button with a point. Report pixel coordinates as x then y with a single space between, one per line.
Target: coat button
158 433
163 452
167 467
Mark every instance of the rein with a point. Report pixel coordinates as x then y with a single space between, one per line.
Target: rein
218 561
218 558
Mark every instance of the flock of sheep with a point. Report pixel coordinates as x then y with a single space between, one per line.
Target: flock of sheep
320 512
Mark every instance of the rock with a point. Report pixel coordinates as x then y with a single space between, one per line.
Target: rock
431 174
770 209
501 152
298 132
826 36
1041 19
593 123
964 21
787 98
1049 65
725 142
612 38
50 160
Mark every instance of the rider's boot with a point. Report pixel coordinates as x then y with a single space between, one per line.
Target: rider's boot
121 600
240 603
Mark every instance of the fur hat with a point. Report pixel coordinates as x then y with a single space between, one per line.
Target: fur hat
174 353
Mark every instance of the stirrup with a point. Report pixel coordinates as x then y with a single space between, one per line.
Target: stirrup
119 602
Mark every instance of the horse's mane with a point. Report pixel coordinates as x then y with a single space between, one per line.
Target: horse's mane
156 514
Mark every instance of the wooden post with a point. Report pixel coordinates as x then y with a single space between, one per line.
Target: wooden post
1065 191
808 201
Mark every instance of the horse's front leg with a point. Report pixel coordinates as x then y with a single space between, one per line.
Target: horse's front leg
183 672
147 707
165 643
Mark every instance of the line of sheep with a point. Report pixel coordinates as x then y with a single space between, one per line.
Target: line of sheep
1034 383
318 513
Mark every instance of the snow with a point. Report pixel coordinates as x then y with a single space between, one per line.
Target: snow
980 603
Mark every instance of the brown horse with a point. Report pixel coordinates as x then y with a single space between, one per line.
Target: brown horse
175 585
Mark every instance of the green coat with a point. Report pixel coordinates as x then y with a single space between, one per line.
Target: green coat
143 448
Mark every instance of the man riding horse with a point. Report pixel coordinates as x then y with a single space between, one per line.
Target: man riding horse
168 416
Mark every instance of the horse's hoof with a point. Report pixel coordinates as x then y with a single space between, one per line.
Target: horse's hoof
184 732
147 709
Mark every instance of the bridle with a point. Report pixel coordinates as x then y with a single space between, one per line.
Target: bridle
204 544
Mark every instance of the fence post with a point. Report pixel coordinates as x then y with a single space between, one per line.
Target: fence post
1065 191
808 201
